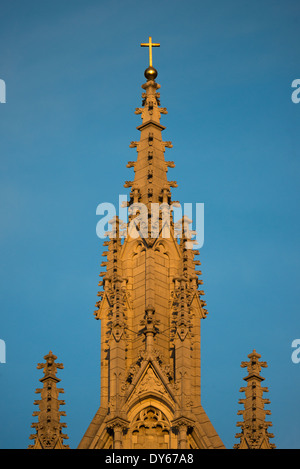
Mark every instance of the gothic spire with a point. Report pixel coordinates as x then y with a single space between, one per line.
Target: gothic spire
150 310
49 428
254 429
150 184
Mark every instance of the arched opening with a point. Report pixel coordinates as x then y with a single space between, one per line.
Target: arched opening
150 429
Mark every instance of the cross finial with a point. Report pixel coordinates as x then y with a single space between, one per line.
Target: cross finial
150 44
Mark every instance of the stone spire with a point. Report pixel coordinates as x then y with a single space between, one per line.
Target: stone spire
49 428
150 184
254 428
150 310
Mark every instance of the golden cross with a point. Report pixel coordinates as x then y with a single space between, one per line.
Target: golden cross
150 44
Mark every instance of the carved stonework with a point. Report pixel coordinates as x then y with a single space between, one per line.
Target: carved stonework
254 429
150 429
150 418
149 383
49 433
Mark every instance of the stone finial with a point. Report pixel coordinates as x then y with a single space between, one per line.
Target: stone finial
254 428
49 428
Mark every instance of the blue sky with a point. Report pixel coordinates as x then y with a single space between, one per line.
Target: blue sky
73 72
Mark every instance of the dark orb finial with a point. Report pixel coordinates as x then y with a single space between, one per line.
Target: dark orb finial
150 73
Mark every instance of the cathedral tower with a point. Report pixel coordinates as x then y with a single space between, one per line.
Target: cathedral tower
150 310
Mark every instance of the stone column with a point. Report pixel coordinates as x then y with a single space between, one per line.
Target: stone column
118 425
182 437
182 424
118 437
